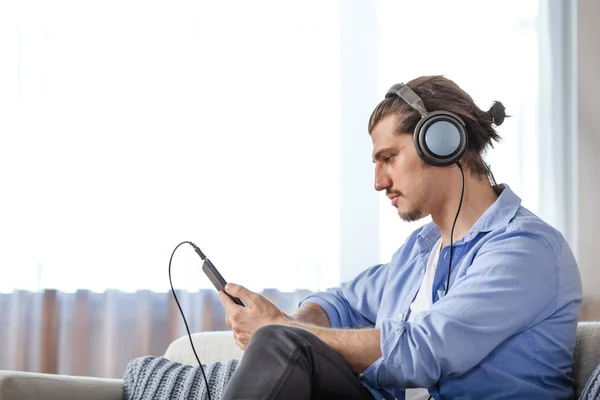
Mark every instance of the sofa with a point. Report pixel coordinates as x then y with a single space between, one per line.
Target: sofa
219 346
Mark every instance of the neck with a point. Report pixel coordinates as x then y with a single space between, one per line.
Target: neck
478 197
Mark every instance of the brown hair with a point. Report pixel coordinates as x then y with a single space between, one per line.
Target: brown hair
440 93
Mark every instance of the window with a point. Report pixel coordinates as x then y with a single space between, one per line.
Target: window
128 127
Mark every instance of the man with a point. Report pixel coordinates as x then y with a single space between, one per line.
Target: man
501 325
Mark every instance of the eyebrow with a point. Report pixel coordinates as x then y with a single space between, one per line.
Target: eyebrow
380 153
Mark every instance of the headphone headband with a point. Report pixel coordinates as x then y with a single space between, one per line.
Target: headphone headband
410 97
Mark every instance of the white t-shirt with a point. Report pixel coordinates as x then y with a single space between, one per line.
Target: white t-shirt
422 302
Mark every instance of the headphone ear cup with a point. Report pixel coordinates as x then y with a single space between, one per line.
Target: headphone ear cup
440 138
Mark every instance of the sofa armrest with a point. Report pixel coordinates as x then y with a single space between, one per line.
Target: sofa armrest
587 353
32 386
210 346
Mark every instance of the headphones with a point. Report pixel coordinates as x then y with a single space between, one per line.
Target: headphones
440 136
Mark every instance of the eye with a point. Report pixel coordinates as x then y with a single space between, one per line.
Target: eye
388 159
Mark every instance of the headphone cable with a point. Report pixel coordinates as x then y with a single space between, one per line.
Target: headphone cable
197 249
462 193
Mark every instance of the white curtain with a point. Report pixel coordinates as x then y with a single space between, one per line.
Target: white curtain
558 116
127 127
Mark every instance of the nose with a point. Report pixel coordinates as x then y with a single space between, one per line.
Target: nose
382 179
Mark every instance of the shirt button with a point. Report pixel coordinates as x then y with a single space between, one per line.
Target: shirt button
401 316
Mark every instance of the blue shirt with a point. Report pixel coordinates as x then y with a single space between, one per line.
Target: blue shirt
506 328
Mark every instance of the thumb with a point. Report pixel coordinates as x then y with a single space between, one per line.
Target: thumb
241 292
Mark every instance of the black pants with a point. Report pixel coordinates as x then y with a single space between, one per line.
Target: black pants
283 362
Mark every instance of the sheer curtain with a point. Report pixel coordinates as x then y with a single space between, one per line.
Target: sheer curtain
127 127
97 334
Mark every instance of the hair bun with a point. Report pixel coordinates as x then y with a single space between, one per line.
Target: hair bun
497 112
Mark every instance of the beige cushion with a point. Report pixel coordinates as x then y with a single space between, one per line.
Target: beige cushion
210 346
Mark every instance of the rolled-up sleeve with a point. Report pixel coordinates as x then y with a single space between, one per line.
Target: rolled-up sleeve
511 285
354 304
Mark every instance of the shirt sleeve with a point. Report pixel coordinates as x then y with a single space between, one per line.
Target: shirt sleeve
355 303
511 285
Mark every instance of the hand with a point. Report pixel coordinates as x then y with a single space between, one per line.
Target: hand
244 321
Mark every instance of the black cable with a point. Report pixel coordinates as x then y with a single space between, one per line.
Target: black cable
462 193
181 311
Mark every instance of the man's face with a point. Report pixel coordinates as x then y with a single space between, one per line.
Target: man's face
412 186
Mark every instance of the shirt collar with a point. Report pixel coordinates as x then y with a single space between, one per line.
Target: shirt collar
498 215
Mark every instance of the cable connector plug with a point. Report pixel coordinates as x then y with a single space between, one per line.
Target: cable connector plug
197 249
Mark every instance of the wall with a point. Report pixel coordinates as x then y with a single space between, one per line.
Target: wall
588 148
359 214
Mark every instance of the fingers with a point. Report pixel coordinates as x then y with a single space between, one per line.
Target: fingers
243 294
232 310
240 344
241 339
224 299
228 304
241 336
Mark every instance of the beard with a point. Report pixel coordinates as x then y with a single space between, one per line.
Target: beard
411 216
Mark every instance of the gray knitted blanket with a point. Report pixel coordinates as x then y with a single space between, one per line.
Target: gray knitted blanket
158 378
591 391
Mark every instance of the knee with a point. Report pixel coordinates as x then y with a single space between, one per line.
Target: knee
279 334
